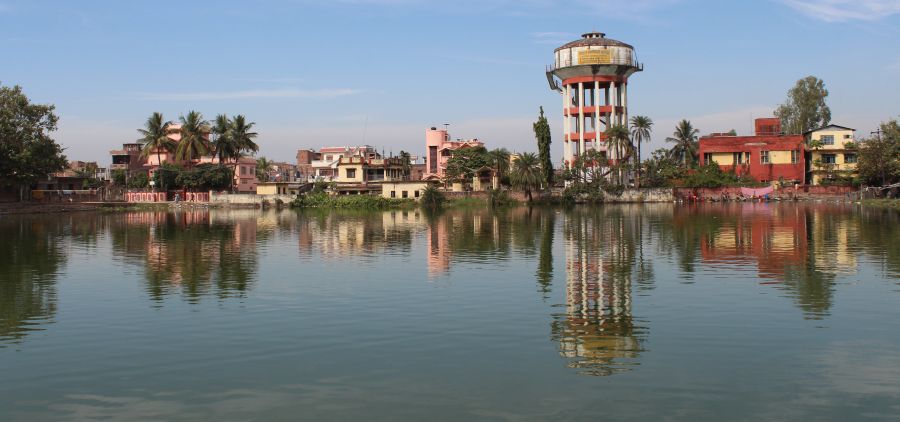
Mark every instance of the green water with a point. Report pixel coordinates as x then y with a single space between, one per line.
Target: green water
709 312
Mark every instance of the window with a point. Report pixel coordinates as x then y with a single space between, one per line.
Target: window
764 157
707 158
747 157
828 159
328 157
849 158
393 194
406 194
827 139
417 194
737 157
351 173
795 157
848 136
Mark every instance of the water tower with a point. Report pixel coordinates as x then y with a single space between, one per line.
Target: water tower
592 76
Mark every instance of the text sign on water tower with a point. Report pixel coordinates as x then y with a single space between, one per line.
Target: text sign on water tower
595 57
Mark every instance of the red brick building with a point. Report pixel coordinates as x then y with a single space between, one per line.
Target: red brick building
766 156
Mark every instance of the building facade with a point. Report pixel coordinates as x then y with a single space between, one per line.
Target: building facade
832 154
767 156
439 148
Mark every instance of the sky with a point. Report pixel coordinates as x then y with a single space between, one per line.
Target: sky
312 73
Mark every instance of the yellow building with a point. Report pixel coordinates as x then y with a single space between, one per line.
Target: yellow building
832 152
278 188
365 169
404 189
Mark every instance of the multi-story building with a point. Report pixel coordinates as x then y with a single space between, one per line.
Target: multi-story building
439 149
325 166
128 158
832 153
767 156
305 158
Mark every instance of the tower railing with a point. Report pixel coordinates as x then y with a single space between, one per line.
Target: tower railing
611 62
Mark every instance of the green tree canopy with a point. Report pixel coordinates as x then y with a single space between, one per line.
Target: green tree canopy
879 157
466 161
155 137
27 152
641 127
805 107
193 144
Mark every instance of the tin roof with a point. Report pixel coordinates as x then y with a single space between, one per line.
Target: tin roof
594 39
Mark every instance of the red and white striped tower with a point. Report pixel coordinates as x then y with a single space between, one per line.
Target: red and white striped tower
592 76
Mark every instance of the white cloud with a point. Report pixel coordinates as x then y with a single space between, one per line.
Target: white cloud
845 10
249 94
553 38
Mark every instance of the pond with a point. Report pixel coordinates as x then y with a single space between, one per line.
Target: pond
629 312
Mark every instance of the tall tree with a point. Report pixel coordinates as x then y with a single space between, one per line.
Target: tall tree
193 143
223 143
27 152
805 107
617 139
879 157
526 173
155 137
542 134
641 126
406 159
242 135
500 161
685 140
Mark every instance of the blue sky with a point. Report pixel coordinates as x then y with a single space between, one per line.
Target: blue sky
346 72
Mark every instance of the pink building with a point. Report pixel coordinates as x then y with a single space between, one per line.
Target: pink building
439 149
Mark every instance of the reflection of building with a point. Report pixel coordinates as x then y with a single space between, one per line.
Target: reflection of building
772 237
597 332
767 156
834 154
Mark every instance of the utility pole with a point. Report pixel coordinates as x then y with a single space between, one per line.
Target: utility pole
877 133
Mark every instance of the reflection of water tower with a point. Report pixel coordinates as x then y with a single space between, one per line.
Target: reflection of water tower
592 75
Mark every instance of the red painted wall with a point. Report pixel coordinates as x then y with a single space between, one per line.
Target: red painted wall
754 145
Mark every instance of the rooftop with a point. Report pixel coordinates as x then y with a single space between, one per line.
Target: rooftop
594 39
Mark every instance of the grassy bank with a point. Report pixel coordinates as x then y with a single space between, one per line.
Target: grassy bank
324 200
882 203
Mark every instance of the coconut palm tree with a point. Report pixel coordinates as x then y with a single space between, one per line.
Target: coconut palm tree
641 126
499 161
154 137
263 165
617 139
242 136
526 173
685 140
222 142
193 143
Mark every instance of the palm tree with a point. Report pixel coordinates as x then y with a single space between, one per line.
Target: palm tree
641 126
222 142
685 139
193 143
499 161
617 139
154 137
242 136
526 173
263 165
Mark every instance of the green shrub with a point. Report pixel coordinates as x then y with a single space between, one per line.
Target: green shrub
432 197
324 200
139 180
